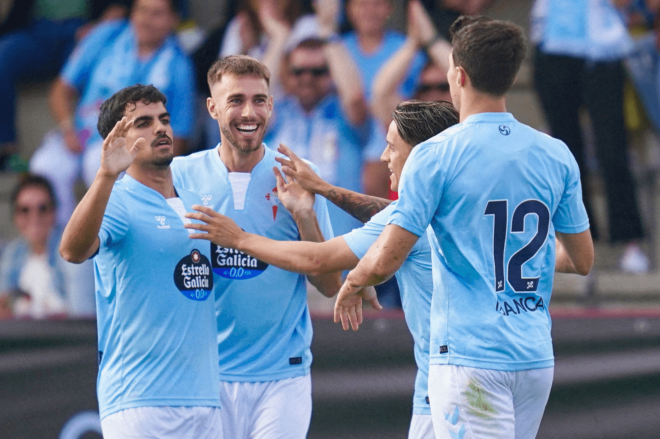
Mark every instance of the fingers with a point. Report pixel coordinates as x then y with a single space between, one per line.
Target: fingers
200 236
113 133
352 316
206 210
285 162
197 226
280 180
287 152
358 311
137 146
375 304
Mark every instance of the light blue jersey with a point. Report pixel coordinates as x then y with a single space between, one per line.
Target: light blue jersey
106 61
154 304
264 327
416 286
494 191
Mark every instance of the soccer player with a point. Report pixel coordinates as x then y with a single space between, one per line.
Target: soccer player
505 205
414 122
158 361
263 322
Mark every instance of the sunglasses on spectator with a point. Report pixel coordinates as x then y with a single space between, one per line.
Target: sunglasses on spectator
440 86
41 209
316 72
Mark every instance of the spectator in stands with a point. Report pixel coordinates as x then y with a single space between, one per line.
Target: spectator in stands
35 40
432 84
113 56
580 46
34 279
325 118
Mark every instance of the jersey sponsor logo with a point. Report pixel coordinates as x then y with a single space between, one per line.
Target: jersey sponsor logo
234 264
520 305
274 200
160 219
192 276
505 130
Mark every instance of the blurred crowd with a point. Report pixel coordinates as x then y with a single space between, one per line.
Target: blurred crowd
332 102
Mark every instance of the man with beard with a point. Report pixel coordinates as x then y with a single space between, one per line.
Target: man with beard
264 327
158 361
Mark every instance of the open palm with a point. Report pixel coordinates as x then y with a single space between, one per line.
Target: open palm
117 156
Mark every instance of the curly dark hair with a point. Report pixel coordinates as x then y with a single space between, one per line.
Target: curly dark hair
114 108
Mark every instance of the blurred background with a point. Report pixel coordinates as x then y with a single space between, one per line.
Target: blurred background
59 59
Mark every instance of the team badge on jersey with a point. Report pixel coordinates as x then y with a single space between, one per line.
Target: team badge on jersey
274 200
193 277
233 264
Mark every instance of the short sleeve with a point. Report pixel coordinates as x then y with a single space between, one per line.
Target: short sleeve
115 221
571 215
420 189
181 99
360 240
80 64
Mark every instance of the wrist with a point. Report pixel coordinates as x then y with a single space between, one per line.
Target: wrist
303 214
66 125
106 175
430 43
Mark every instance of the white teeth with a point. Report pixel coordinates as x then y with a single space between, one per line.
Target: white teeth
247 128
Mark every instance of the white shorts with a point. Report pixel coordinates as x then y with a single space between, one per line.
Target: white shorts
470 403
164 422
270 410
421 427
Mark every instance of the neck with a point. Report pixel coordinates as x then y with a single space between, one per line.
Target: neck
237 161
157 179
38 248
145 49
475 103
370 42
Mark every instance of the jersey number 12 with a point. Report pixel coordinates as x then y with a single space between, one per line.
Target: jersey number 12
500 211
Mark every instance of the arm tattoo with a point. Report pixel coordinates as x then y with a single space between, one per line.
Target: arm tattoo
360 206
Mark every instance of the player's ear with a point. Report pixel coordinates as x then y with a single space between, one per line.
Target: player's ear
270 105
210 105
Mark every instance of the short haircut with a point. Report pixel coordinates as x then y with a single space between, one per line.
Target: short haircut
418 121
32 180
490 51
239 65
114 108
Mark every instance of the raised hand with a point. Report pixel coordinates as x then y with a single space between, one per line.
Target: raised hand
295 168
327 14
348 307
424 30
292 195
273 23
220 230
117 156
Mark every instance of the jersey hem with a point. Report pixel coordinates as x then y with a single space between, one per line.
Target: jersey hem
575 229
178 402
493 365
239 378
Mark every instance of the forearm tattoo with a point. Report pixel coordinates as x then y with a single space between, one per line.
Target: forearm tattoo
360 206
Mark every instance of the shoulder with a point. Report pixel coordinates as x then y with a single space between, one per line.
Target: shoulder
191 160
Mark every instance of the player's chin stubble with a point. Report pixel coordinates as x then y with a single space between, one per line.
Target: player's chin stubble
243 147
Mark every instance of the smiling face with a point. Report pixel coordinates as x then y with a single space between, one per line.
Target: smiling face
395 155
152 122
34 215
242 106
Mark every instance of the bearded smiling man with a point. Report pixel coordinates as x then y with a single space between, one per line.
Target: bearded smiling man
263 322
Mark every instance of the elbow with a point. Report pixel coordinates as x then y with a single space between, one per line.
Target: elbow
584 268
70 256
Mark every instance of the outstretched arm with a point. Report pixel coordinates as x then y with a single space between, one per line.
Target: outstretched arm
382 260
301 205
360 206
310 258
80 238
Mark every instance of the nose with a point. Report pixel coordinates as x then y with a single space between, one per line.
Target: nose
385 156
159 127
248 110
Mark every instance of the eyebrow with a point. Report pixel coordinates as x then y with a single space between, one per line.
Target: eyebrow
242 95
149 118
